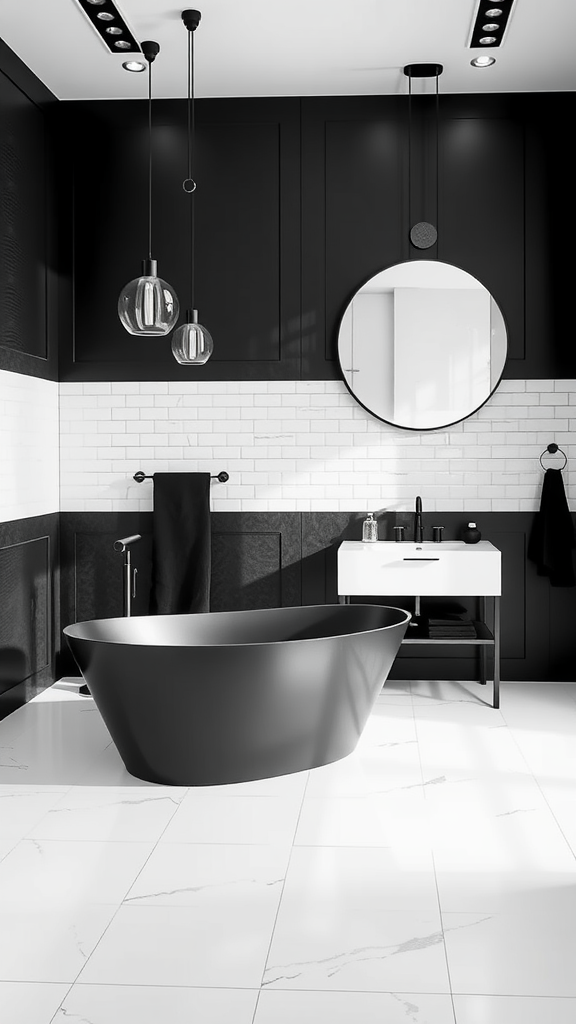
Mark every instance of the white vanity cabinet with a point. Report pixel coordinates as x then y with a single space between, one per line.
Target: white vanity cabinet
426 569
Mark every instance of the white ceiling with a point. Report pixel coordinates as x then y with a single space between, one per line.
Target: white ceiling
296 48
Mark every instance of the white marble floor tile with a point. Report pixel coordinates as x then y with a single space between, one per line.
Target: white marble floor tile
21 807
396 818
387 770
335 948
147 1004
53 875
49 945
386 727
338 878
203 818
109 813
24 1002
58 743
205 945
233 877
277 1007
514 1010
513 953
465 746
292 786
428 692
487 797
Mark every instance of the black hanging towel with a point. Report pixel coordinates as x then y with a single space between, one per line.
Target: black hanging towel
552 538
180 544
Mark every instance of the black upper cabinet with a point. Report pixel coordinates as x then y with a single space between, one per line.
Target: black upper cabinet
247 235
28 275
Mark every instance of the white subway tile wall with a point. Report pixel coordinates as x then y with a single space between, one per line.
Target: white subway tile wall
308 446
28 446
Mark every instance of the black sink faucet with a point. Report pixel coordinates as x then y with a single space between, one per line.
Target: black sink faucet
418 531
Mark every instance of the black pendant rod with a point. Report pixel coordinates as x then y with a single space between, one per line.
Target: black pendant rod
191 19
150 49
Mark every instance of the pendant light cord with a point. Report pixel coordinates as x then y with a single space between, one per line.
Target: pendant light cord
149 160
409 158
437 159
191 129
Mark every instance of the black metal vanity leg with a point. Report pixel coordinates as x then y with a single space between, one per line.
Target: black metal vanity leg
483 651
496 692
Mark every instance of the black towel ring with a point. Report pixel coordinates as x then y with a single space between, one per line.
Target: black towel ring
553 448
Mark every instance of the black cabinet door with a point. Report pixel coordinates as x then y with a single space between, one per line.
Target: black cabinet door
246 226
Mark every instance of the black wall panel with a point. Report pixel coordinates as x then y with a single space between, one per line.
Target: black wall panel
28 256
298 202
29 598
255 564
262 560
247 235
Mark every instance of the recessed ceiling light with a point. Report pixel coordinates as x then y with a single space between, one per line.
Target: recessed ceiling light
122 44
133 65
105 17
483 62
490 23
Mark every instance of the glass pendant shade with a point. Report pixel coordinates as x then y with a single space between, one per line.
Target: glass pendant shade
192 344
148 305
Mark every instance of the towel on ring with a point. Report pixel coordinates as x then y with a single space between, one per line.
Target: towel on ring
180 544
552 538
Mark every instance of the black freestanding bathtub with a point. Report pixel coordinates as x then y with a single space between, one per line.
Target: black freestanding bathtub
221 697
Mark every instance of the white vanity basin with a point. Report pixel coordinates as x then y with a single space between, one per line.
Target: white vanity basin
425 569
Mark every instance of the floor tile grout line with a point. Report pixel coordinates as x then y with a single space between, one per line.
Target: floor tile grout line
530 772
434 868
121 904
280 898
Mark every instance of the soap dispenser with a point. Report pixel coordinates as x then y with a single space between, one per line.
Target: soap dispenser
471 535
370 529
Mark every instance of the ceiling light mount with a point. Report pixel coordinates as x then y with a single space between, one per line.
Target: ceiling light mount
423 70
102 12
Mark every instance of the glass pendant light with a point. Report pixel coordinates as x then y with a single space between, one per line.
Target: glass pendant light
148 305
192 344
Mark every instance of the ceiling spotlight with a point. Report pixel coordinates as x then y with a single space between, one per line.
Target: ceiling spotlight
105 16
122 44
483 62
487 40
133 65
114 31
490 27
96 3
493 12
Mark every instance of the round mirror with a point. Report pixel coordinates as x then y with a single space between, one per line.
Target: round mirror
422 345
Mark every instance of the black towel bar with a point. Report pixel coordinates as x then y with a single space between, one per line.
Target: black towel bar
140 476
553 448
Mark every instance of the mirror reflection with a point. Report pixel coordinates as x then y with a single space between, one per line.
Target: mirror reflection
422 345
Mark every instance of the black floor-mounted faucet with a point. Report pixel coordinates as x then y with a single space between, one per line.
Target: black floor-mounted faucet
418 530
